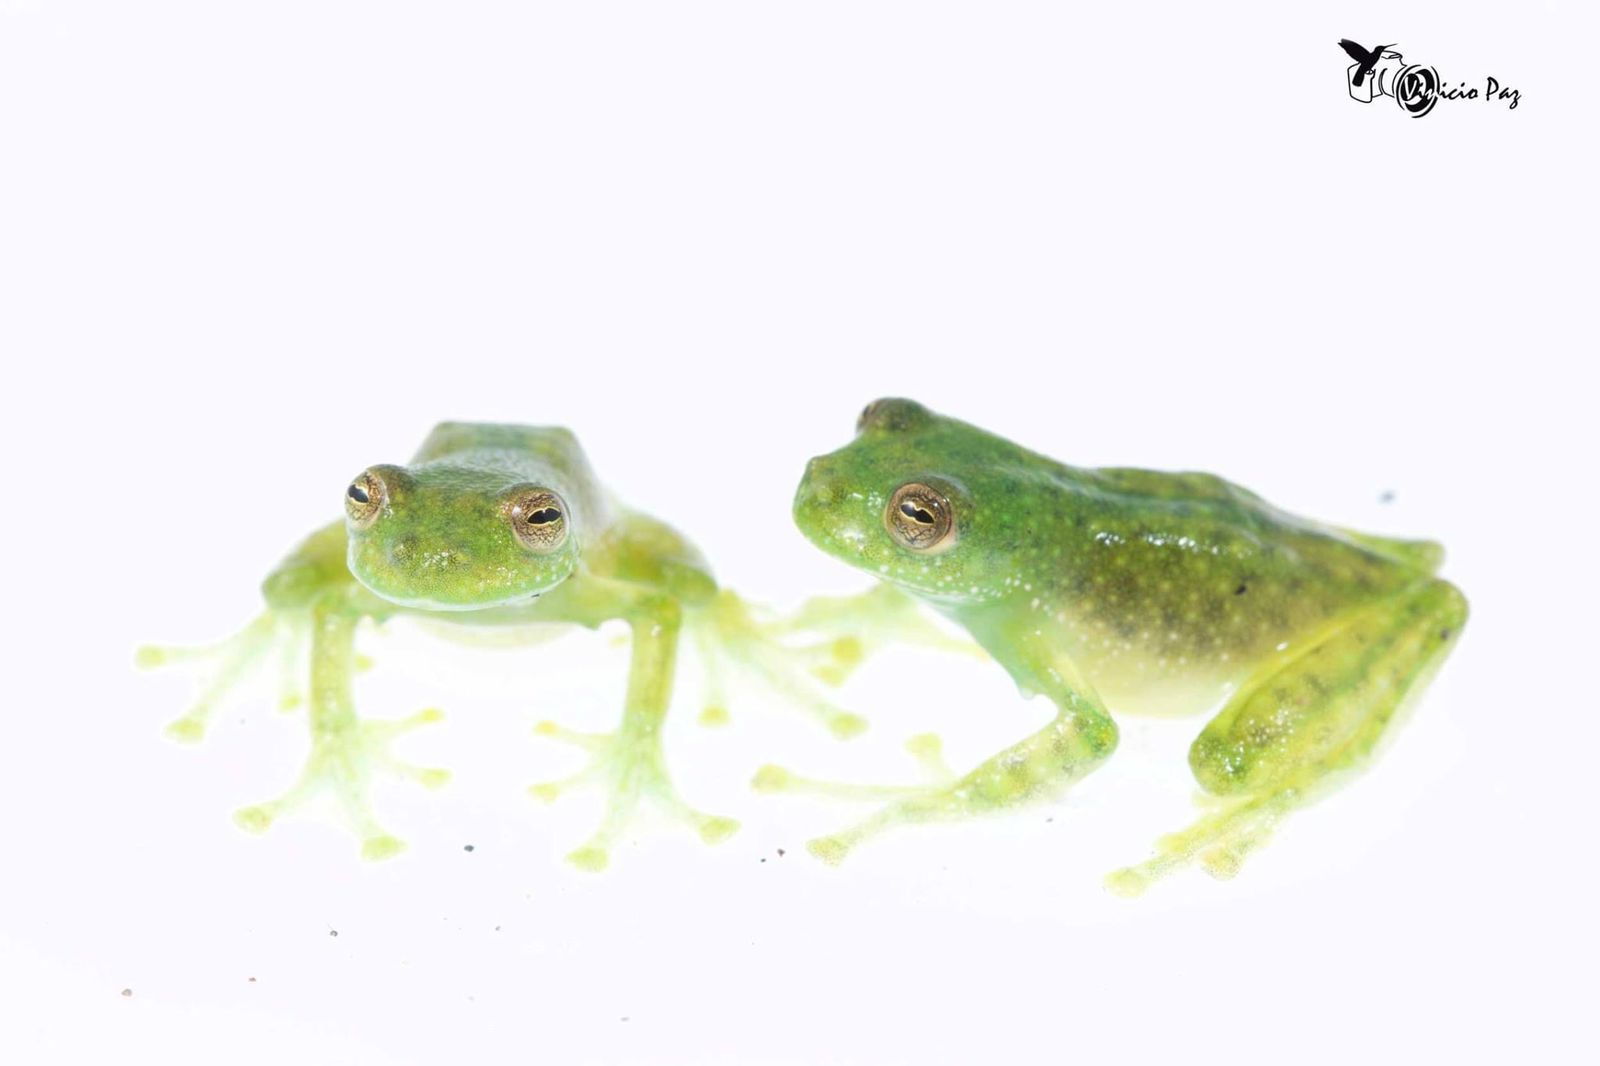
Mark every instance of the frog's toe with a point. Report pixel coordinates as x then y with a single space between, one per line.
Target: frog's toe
594 743
429 777
714 716
590 858
845 725
190 729
714 829
255 819
382 846
1127 882
831 849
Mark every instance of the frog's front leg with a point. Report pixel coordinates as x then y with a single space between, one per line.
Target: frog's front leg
223 666
1074 742
629 763
345 750
854 628
1290 730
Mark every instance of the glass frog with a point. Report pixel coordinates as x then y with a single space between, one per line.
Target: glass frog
1133 590
503 525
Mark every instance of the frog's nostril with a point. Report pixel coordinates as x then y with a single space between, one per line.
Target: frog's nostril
820 484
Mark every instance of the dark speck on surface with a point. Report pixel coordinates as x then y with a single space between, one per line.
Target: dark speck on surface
252 980
469 847
333 932
780 853
1386 496
127 991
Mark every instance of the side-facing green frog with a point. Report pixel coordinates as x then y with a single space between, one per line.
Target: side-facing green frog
502 525
1140 591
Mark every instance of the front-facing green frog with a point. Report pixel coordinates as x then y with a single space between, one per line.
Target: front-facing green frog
1139 591
494 525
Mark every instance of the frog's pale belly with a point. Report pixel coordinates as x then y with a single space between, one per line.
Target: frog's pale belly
1157 658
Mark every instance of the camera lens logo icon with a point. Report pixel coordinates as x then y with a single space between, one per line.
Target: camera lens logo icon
1381 71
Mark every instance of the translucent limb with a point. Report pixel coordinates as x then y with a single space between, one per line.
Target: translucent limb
1219 842
857 627
630 763
346 752
727 632
221 667
925 747
1077 740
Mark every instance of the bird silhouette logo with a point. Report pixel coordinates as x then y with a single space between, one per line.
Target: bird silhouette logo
1382 71
1365 60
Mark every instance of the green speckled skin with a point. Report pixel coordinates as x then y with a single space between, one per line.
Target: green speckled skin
438 541
1142 592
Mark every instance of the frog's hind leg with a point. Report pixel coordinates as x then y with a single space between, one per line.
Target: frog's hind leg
222 667
1294 730
631 763
345 750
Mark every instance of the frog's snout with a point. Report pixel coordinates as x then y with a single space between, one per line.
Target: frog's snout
819 487
410 554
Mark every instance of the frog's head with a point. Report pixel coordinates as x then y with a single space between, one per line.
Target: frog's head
922 501
456 538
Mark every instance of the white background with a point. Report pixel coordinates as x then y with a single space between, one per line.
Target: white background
247 249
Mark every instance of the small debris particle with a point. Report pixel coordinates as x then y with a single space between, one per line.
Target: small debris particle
1444 634
127 991
1051 818
624 1017
333 932
1241 590
780 853
469 847
763 858
497 928
252 980
1386 496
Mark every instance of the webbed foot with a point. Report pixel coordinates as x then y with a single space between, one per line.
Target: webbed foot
221 667
344 761
908 802
630 766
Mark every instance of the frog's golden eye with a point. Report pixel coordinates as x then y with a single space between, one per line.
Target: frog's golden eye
920 518
539 520
363 500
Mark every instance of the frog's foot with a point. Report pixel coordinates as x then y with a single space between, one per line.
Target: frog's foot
854 628
344 761
630 766
1219 842
730 634
222 666
908 802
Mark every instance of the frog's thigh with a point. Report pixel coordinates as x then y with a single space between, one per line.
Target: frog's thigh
1290 729
1325 709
